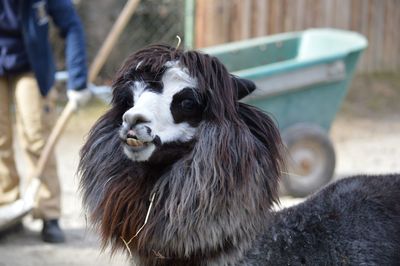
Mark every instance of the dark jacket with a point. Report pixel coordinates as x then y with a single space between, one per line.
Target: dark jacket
35 21
13 57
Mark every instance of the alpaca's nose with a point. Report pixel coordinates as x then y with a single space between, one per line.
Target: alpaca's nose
133 118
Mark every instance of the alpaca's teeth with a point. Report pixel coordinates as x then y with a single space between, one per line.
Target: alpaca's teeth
134 142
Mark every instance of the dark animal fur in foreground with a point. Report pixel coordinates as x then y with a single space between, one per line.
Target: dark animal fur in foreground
213 193
355 221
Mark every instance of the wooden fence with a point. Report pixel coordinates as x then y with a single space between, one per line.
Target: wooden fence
220 21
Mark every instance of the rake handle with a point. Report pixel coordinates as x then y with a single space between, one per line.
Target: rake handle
55 134
112 38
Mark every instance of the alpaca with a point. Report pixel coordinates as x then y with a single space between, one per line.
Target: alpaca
178 172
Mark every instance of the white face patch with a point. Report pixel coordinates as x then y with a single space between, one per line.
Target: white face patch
150 121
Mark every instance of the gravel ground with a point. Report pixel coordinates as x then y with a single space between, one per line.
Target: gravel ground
366 140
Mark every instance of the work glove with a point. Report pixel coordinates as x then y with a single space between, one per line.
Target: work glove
79 98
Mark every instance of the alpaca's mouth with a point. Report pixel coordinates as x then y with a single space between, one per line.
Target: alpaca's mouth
133 141
137 147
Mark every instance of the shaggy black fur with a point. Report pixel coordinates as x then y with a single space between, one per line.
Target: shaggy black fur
355 221
214 193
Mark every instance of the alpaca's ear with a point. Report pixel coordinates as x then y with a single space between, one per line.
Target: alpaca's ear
243 86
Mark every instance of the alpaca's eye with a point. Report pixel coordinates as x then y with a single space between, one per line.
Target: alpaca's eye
188 104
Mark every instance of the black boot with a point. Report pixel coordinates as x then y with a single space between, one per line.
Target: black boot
52 232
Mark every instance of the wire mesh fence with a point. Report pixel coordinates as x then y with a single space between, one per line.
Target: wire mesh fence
154 21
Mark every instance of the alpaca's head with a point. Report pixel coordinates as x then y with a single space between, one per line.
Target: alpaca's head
176 130
170 95
166 108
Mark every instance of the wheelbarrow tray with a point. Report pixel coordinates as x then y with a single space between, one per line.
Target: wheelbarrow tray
301 77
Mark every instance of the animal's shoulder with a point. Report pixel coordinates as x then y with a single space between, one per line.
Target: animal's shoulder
360 195
361 189
346 203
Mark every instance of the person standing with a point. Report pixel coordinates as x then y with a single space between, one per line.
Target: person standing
27 73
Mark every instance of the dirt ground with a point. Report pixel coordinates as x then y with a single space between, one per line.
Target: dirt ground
366 136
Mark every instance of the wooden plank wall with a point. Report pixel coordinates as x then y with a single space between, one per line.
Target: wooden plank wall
220 21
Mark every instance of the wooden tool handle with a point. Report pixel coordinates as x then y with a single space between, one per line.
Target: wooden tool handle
112 38
62 121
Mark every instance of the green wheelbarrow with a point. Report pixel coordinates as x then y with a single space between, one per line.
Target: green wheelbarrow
301 79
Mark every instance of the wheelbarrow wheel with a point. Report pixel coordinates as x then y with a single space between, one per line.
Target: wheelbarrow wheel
310 159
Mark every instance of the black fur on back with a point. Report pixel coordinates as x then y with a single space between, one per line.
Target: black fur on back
355 221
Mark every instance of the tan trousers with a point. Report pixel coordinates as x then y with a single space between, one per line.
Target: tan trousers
34 117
